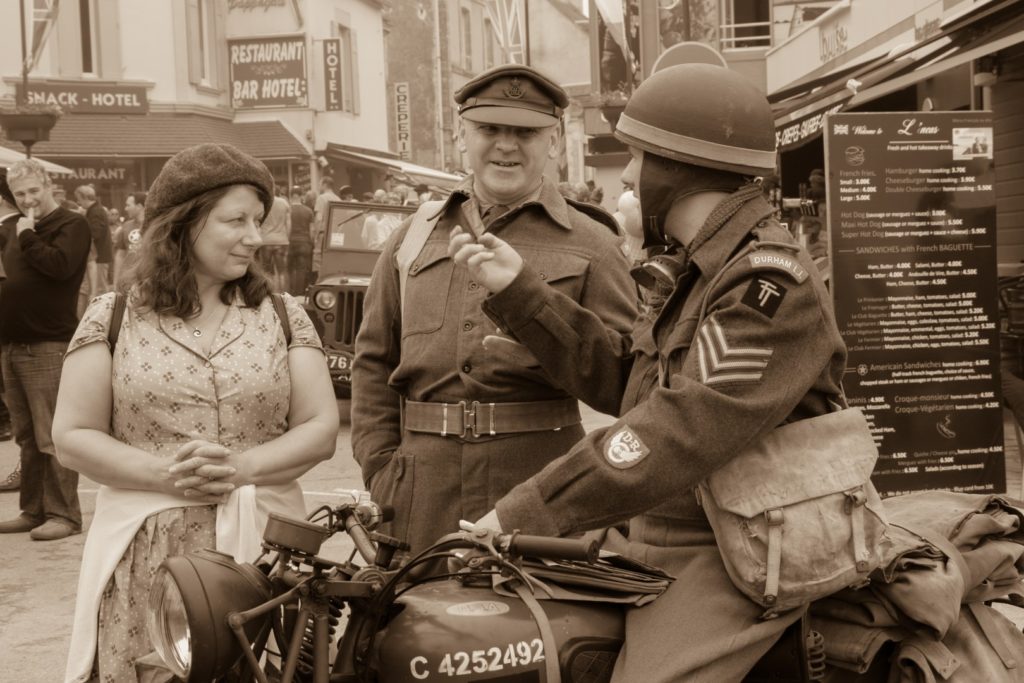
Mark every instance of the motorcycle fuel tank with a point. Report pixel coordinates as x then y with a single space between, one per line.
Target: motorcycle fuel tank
450 632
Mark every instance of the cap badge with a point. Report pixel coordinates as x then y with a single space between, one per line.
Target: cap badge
514 89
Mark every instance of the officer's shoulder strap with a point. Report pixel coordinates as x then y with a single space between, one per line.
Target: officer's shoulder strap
596 212
422 224
773 248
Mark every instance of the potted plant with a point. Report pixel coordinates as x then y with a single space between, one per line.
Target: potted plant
29 123
612 104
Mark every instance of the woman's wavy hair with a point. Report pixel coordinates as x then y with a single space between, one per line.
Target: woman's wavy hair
163 277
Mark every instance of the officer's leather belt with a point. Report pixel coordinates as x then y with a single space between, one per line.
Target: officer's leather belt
473 418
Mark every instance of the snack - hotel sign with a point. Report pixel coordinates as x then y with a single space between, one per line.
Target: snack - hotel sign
89 98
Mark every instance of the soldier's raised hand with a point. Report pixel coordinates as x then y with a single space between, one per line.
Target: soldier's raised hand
491 261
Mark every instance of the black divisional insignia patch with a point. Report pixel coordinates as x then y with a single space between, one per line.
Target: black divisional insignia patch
764 295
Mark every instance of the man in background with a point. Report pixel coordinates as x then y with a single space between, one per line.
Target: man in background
129 235
9 216
320 219
273 254
45 262
97 273
300 245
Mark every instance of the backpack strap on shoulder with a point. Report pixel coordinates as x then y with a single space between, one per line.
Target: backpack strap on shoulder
115 320
423 222
282 315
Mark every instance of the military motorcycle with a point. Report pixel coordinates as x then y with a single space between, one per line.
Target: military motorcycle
479 619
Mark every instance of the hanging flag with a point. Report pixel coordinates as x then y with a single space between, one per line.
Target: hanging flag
40 18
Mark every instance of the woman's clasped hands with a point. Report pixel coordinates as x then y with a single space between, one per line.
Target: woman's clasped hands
203 470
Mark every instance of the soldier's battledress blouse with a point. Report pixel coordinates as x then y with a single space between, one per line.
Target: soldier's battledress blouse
166 392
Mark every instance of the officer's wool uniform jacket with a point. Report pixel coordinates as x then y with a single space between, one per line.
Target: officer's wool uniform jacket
704 416
436 355
767 352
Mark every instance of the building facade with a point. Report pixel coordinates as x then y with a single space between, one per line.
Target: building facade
285 80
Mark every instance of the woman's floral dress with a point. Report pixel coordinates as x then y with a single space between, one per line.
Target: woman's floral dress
168 391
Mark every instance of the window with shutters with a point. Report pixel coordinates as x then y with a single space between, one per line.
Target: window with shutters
466 32
488 44
349 73
202 40
87 32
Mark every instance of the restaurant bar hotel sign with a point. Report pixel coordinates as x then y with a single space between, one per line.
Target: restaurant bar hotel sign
911 212
268 72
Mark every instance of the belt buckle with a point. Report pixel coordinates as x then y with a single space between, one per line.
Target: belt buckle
470 412
468 418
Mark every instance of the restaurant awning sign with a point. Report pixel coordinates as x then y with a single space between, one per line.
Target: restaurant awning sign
268 72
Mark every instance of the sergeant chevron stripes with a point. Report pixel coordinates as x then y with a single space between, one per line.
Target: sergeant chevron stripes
720 363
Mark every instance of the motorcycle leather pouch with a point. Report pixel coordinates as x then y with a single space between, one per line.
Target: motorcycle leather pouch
795 515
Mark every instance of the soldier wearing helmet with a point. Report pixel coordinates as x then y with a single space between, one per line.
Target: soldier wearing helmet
694 391
447 414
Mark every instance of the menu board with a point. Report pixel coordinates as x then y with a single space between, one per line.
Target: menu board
911 213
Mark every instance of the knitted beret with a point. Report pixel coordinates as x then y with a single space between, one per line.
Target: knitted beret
201 168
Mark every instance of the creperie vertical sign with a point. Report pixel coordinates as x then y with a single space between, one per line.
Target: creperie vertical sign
332 74
403 120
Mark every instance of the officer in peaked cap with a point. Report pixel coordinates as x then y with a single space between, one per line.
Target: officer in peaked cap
421 356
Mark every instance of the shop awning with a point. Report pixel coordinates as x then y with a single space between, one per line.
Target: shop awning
382 160
9 156
1007 35
163 135
799 117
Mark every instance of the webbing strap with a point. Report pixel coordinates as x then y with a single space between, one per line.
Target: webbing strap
115 320
994 632
282 316
773 562
422 224
547 636
856 501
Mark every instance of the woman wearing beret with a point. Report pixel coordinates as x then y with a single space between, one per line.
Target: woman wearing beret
191 424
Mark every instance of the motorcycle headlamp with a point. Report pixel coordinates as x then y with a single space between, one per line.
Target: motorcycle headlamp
325 299
189 603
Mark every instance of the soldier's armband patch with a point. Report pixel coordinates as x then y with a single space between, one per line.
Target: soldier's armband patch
765 259
764 296
625 449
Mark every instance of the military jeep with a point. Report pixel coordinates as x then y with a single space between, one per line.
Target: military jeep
351 245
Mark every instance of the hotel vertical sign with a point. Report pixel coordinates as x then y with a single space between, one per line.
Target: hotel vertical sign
332 74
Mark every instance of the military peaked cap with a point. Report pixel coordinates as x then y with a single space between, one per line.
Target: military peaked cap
512 95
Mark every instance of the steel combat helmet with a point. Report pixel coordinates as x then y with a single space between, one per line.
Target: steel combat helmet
702 127
702 114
